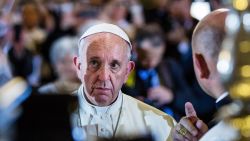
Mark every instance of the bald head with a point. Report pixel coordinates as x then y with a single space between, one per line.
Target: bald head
206 43
209 33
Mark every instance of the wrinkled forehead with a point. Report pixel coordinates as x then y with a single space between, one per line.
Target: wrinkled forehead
105 40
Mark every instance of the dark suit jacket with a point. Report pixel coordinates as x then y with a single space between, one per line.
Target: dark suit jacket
226 100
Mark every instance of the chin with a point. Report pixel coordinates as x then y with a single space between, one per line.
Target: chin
103 100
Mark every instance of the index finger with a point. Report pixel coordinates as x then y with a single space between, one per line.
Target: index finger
189 110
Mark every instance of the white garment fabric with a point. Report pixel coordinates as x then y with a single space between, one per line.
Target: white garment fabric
221 132
126 117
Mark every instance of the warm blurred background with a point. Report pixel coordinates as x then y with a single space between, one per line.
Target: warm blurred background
38 39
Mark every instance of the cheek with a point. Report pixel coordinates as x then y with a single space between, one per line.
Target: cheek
89 79
59 68
118 79
86 78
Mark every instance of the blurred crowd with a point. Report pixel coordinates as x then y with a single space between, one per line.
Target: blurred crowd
38 40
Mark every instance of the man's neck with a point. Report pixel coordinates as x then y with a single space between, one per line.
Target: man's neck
100 109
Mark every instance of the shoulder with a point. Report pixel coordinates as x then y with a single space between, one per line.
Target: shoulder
147 110
159 123
141 105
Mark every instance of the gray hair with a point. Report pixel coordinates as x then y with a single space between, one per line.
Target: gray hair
62 47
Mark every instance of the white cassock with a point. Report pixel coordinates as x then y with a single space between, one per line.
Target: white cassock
126 117
221 132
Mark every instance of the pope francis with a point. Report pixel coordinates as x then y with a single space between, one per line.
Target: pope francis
103 65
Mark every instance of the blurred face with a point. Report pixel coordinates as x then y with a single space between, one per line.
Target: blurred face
103 67
66 69
179 8
150 54
119 10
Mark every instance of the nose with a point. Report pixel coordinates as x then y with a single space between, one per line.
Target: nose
104 73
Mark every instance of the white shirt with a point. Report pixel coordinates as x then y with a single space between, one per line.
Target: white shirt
221 97
102 121
126 117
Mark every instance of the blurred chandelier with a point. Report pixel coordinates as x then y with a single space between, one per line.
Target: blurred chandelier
234 65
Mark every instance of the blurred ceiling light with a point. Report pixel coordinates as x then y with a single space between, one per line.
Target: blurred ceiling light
240 4
199 9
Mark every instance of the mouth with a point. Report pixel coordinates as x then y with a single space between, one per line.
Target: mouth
102 90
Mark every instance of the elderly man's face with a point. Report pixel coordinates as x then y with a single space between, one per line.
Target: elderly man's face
105 67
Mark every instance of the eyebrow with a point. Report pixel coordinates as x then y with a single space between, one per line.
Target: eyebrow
116 61
98 58
94 57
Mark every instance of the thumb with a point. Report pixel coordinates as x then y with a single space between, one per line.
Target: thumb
189 109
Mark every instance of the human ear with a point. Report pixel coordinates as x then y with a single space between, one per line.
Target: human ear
131 66
201 65
77 66
129 69
77 63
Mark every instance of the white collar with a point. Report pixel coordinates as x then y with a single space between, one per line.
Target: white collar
90 109
223 95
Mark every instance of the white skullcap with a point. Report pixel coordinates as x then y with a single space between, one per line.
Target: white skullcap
105 27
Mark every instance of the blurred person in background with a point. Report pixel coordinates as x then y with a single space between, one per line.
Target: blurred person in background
116 12
156 12
33 34
61 21
137 16
179 36
20 58
13 90
62 53
155 80
87 14
32 38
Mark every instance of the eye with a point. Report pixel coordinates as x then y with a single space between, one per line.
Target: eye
94 64
115 65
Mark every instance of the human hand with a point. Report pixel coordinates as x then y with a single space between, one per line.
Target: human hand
190 127
161 95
